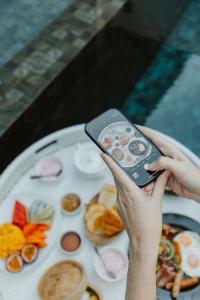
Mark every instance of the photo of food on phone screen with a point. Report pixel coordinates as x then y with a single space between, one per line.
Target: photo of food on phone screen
125 143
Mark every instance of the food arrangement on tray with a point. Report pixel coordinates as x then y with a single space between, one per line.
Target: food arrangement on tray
178 265
102 223
24 235
29 230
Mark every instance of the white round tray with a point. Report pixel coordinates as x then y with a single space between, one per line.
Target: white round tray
16 179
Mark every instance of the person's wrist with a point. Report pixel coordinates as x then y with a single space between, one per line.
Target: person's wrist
145 259
145 249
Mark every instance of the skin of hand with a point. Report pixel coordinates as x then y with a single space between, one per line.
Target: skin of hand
184 179
141 213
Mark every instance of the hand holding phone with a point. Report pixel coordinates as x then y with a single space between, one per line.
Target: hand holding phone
115 135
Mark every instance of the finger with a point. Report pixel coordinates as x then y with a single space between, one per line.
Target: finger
160 185
117 172
165 163
166 146
156 138
120 204
120 207
149 187
120 176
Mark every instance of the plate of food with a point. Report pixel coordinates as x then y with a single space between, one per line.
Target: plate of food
178 265
67 279
28 228
101 218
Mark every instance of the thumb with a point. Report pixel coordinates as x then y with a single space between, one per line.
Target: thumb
159 187
165 163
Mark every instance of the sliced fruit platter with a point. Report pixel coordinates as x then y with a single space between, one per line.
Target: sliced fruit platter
28 226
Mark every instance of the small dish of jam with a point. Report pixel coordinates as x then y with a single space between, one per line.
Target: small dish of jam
70 242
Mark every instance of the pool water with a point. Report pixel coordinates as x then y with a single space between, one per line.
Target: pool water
166 98
155 83
23 20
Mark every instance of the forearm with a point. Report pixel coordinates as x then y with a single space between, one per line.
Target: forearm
141 281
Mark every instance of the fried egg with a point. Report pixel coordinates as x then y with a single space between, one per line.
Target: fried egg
189 243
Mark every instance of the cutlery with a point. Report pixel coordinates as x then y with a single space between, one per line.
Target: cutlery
45 176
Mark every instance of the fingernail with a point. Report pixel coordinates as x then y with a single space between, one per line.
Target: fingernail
146 166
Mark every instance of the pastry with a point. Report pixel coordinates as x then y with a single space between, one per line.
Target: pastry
111 223
108 195
94 223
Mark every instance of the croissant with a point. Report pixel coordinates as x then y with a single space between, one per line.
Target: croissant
111 222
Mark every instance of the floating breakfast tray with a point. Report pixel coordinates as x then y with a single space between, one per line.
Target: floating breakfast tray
16 180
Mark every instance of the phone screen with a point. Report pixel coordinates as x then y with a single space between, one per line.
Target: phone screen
125 143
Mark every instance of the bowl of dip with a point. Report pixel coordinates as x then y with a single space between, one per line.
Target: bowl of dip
88 161
70 242
49 169
114 260
71 204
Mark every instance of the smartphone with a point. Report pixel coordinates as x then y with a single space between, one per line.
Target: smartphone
115 135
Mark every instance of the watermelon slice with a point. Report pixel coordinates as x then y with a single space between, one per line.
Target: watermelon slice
20 215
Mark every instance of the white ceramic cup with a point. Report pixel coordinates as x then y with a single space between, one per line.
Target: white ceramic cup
88 161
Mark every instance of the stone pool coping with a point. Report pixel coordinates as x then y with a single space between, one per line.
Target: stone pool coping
29 73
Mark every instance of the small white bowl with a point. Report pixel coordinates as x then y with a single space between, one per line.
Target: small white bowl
88 161
100 270
71 253
41 164
71 213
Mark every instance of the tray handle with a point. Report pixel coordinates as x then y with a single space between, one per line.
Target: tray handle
46 146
